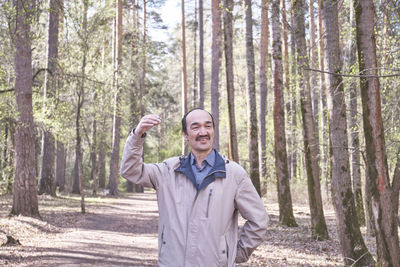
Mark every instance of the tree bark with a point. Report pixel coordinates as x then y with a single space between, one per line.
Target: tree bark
10 158
93 158
47 182
286 216
114 161
139 188
201 57
352 244
194 91
396 187
286 84
102 165
25 200
263 85
183 72
378 175
319 229
78 171
324 108
60 166
252 124
216 51
293 104
313 64
228 33
133 93
355 128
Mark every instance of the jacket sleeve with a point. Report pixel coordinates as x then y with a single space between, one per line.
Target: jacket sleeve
133 168
253 211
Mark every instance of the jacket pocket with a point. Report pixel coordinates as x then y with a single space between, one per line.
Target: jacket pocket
223 251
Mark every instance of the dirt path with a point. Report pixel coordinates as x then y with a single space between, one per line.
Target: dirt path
123 232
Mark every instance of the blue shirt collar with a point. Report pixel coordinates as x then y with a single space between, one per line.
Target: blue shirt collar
218 170
210 159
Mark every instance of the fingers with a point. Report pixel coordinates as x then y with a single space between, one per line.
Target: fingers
146 123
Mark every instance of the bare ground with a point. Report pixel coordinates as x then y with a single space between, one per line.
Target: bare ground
123 232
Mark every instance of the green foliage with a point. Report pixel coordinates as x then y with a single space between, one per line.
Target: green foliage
6 179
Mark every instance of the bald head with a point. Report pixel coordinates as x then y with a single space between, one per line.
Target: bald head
195 110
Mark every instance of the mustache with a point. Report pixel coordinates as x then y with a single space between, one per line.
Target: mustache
202 136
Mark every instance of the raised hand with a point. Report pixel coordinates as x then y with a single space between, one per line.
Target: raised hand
146 123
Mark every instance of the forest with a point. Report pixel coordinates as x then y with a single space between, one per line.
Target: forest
304 95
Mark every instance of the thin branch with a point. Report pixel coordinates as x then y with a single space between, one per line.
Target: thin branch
39 71
353 75
7 90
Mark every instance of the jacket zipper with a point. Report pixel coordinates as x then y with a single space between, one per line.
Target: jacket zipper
208 202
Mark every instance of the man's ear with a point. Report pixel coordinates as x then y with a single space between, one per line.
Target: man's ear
184 135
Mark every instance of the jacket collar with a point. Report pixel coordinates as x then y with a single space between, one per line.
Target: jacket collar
218 170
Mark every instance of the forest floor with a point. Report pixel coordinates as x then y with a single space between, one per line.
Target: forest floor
122 231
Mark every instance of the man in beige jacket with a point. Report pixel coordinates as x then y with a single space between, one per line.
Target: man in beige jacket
199 197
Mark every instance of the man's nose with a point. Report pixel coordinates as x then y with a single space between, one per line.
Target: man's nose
202 130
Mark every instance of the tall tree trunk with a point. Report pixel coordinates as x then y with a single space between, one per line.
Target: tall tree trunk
355 128
11 156
286 85
216 50
355 156
78 171
351 241
293 102
285 46
93 158
133 105
263 85
143 60
201 56
313 64
4 156
78 168
386 229
25 200
47 182
194 91
252 127
228 33
60 166
396 187
139 188
324 109
318 224
114 161
183 71
38 146
102 165
286 216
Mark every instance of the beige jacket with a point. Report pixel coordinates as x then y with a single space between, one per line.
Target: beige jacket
199 228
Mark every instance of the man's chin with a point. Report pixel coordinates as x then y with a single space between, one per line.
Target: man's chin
204 148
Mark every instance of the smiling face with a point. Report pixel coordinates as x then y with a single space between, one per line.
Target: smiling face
200 131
